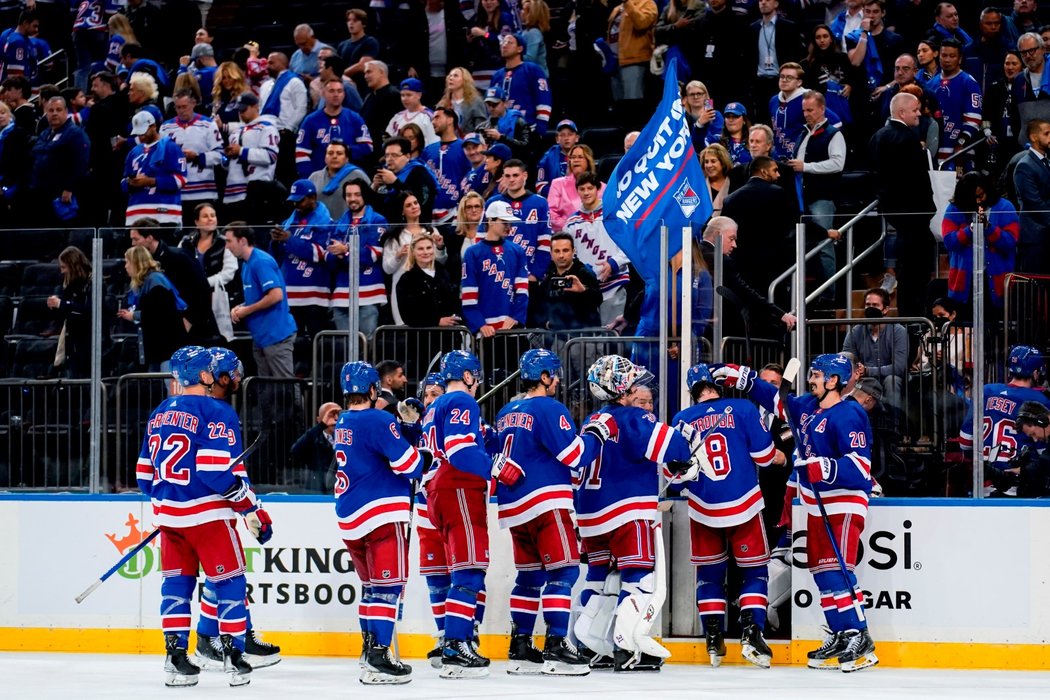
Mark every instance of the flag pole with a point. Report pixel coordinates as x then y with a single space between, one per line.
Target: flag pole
685 355
664 267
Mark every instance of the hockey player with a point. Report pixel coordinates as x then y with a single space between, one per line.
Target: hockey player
185 467
458 498
201 145
1001 440
834 459
227 371
533 230
541 450
725 512
616 512
495 277
374 507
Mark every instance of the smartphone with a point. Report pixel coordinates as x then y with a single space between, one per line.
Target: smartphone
709 103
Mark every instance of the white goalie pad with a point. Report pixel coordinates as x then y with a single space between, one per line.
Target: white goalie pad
594 626
634 620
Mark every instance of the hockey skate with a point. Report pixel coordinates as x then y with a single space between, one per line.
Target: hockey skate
753 646
596 661
561 658
827 656
233 662
380 668
460 660
716 642
181 672
434 655
209 653
259 653
367 642
859 652
524 658
625 662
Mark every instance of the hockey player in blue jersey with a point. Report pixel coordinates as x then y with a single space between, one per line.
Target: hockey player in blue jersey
228 371
1000 439
617 516
186 469
373 503
725 512
541 451
834 459
458 500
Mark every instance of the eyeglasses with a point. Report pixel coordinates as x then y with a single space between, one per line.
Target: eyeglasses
789 77
695 94
473 206
1029 52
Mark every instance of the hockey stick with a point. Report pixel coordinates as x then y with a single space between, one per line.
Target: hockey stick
151 536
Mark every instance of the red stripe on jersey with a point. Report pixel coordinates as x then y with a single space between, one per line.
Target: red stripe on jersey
372 513
659 444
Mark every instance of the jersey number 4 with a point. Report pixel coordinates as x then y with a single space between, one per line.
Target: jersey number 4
175 446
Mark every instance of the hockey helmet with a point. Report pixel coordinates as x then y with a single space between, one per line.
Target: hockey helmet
1025 361
432 378
537 361
358 378
188 362
699 373
225 361
455 363
612 376
833 365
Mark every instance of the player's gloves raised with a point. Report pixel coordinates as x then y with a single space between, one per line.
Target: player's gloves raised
819 469
602 426
506 471
739 377
697 451
410 409
259 524
241 496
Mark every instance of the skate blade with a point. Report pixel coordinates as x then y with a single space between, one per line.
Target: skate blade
824 664
716 660
178 680
207 664
601 663
461 673
435 662
865 661
560 668
262 661
376 678
753 657
238 679
524 668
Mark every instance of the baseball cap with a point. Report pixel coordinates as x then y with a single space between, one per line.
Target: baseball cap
201 50
475 138
495 94
501 211
516 36
735 108
567 124
870 386
301 189
141 122
413 84
499 150
245 100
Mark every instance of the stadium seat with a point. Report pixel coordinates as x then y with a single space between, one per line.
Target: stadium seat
32 318
603 140
34 358
11 272
41 279
606 164
7 311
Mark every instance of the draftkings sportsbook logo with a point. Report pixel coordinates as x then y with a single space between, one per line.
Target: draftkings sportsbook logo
142 563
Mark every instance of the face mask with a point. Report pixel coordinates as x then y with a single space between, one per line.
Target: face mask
872 312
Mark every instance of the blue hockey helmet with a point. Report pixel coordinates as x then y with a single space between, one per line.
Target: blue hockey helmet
1024 361
431 379
455 363
537 361
225 361
833 365
358 378
699 373
188 362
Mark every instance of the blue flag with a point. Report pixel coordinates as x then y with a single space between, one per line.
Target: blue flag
659 181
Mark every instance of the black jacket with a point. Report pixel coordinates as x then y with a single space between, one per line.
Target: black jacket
901 171
765 215
314 452
563 310
764 316
787 41
187 276
213 260
423 299
75 312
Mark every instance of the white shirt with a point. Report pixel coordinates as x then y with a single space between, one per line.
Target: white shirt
836 153
294 103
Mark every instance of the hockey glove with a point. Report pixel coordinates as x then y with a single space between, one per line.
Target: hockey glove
697 451
410 409
819 469
428 458
506 471
739 377
677 472
602 426
241 496
259 524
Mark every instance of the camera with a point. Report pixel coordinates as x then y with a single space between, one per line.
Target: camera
560 282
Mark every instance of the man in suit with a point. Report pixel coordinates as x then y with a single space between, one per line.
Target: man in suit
906 198
773 41
765 215
1032 182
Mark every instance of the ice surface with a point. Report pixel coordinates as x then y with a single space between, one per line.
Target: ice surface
35 676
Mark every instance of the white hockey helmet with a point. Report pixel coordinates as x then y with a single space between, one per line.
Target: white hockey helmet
612 376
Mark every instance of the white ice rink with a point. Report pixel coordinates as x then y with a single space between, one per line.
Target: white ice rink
115 677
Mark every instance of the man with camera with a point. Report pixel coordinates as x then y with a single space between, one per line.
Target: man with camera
569 293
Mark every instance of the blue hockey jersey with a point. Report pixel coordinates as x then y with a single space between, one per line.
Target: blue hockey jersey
452 431
302 257
538 434
528 92
375 464
371 287
1001 404
960 101
184 464
318 129
495 285
90 16
17 57
553 164
450 167
476 180
622 484
163 161
737 441
533 234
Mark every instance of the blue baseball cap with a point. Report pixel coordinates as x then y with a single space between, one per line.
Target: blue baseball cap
474 138
567 124
501 151
495 94
301 189
735 108
413 84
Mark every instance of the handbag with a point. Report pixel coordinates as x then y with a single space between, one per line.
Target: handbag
943 184
60 351
220 307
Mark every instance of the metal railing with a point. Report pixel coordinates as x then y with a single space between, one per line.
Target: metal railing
755 352
1026 310
329 352
136 395
418 349
276 409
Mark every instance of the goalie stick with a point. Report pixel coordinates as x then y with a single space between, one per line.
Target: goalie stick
151 536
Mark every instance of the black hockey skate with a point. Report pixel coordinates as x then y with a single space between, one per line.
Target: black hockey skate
524 658
368 641
753 646
460 660
561 658
181 672
209 653
234 664
716 642
624 662
859 652
434 655
827 656
380 668
596 661
259 653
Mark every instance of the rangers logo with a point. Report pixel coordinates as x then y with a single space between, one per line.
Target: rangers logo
687 198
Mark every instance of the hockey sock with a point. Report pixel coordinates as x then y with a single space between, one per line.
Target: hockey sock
230 605
753 593
837 601
383 613
248 616
175 594
557 599
525 600
594 583
208 622
479 605
364 609
438 586
711 591
459 606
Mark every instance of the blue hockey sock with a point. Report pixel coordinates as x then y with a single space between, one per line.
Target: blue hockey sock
383 613
711 592
525 600
175 594
208 622
460 604
230 605
754 593
437 587
557 599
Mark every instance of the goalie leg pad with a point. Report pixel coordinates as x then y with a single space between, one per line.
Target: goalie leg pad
636 614
594 624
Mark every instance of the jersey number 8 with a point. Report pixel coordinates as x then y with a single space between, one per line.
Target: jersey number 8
718 454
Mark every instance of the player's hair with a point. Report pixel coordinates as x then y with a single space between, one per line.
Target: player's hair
388 367
564 236
696 389
142 262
